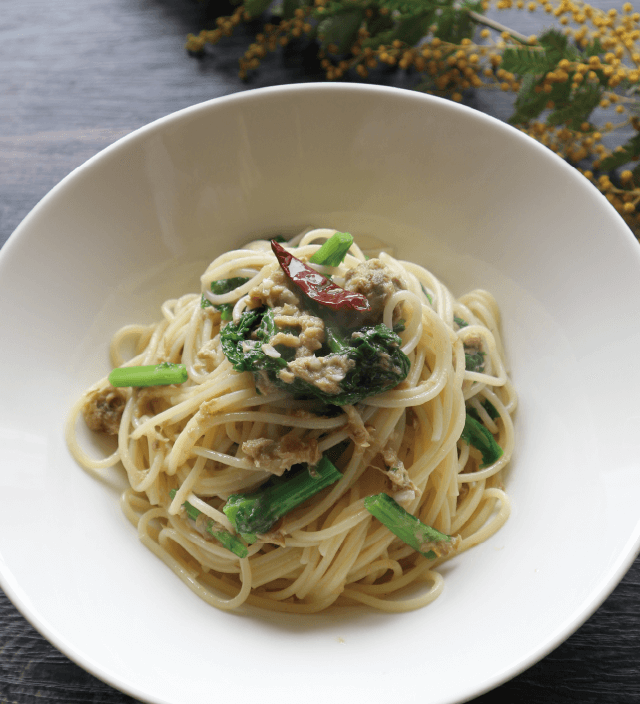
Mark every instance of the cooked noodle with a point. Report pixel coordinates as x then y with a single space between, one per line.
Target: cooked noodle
330 550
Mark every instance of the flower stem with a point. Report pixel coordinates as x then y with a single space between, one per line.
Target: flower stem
488 22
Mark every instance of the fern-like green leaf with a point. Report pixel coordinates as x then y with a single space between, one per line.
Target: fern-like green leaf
529 103
410 7
560 92
551 48
412 29
576 110
255 8
454 23
593 48
375 25
522 60
289 8
341 30
554 42
407 29
629 150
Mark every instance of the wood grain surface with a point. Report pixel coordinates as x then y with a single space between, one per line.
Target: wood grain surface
75 75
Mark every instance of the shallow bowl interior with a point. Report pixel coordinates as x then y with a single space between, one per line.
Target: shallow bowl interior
475 201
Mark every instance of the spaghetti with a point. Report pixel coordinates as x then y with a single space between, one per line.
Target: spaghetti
187 448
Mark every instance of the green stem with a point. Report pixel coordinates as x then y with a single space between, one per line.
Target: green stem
334 250
228 540
401 523
488 22
150 375
257 513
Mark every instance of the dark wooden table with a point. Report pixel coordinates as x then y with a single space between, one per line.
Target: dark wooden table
75 75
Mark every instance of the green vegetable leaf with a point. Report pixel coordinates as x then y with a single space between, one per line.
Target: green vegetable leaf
491 410
476 434
223 286
474 361
378 363
242 342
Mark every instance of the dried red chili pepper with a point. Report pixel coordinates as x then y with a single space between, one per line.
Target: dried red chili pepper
317 287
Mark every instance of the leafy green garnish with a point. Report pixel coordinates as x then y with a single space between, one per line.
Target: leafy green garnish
378 362
242 342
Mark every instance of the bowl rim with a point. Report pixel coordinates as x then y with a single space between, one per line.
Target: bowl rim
607 584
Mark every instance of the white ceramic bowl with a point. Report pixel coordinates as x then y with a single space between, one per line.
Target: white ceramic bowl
475 201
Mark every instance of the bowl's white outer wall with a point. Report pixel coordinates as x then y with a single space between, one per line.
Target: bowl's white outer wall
475 201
